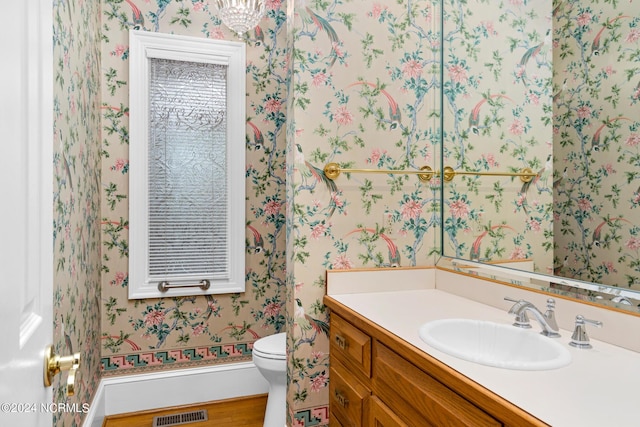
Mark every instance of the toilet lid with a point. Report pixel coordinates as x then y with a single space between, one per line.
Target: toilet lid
273 345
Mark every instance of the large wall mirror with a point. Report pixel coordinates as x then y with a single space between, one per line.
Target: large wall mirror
552 87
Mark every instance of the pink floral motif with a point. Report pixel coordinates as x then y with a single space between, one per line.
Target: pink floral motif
516 127
154 318
633 140
271 310
272 105
535 225
457 74
335 197
342 116
273 4
411 209
342 262
376 154
412 69
584 19
459 209
318 231
609 266
214 307
319 79
198 329
377 10
633 36
272 207
318 382
119 50
490 159
518 253
609 168
633 243
119 278
217 33
119 165
584 204
489 27
584 112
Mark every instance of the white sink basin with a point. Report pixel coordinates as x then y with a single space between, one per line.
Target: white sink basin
495 344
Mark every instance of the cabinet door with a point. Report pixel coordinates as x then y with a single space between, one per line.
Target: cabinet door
347 396
381 416
408 390
350 345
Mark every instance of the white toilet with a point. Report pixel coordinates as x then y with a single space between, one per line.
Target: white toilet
270 357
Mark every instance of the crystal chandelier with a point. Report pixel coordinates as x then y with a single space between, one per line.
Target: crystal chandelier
241 15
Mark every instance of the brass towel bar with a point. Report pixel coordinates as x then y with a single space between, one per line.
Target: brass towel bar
425 173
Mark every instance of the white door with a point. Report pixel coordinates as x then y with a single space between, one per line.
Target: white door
26 261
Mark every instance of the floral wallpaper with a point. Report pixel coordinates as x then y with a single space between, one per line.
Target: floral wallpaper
76 196
177 332
532 85
357 83
497 107
597 142
365 94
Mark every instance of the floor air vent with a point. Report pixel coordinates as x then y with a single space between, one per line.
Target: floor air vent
179 419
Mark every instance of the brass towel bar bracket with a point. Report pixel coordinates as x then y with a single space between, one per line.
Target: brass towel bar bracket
425 173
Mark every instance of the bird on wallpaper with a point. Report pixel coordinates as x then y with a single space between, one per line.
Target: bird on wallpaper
597 233
394 254
394 110
258 34
258 242
138 19
474 117
307 322
310 17
540 176
560 91
258 139
556 9
67 337
308 170
595 45
558 268
474 254
532 52
595 141
561 178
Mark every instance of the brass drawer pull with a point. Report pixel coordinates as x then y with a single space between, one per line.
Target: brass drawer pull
341 342
341 399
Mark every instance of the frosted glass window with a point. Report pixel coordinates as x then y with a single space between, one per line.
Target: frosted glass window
187 163
187 170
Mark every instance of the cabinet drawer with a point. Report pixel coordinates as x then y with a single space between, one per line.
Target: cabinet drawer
347 396
350 345
407 390
381 416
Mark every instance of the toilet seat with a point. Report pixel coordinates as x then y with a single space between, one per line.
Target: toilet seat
271 347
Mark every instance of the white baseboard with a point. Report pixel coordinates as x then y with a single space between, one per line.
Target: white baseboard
141 392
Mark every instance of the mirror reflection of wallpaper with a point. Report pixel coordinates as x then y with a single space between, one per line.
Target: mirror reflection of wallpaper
597 142
497 118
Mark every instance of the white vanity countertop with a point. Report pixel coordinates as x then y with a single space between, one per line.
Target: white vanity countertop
598 388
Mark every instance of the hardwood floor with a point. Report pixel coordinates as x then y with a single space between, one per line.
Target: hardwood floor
244 411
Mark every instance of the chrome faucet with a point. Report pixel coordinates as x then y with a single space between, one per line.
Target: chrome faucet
547 320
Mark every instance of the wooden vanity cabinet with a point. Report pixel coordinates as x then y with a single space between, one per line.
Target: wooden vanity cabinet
349 373
379 380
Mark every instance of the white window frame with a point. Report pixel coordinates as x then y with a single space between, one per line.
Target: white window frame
144 46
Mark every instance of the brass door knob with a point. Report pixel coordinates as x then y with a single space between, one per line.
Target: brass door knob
54 364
